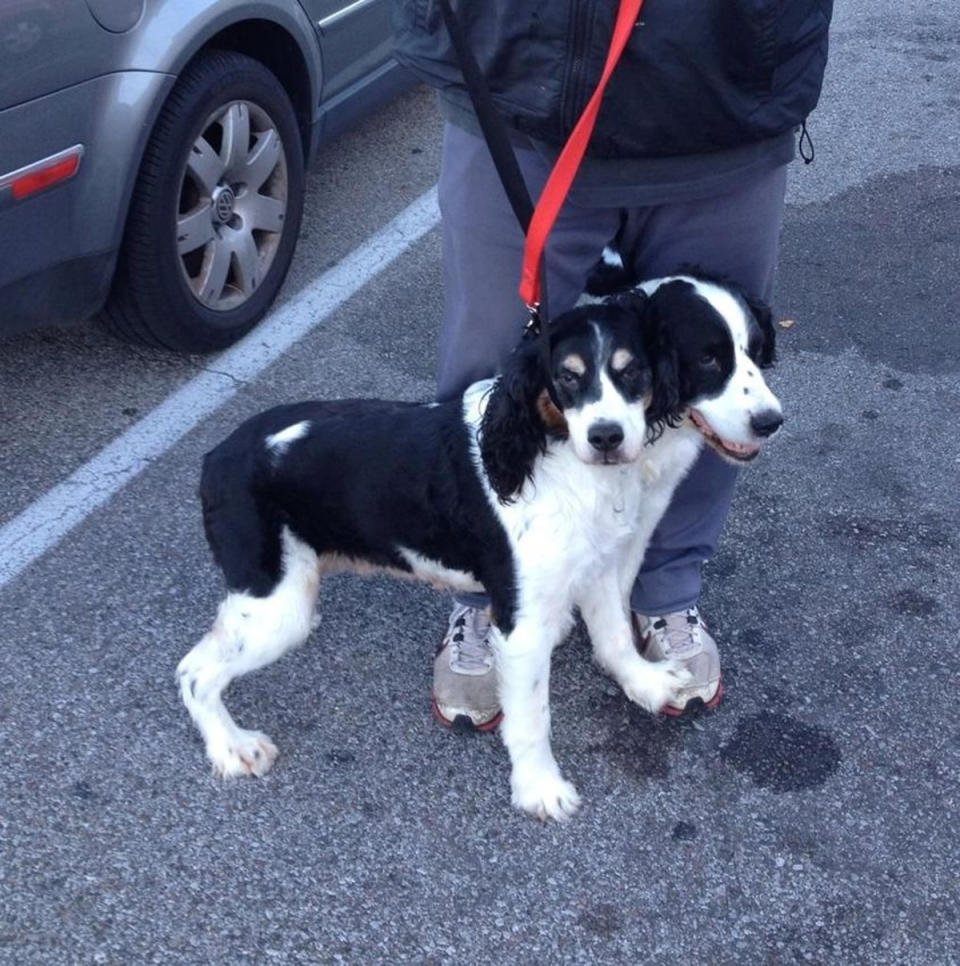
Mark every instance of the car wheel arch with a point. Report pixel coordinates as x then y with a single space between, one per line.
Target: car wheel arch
284 42
278 51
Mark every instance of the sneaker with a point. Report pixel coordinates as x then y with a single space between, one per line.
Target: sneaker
684 637
464 675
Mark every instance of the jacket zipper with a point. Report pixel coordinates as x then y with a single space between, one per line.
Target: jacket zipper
573 88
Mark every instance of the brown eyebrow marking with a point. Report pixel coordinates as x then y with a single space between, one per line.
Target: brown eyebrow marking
621 359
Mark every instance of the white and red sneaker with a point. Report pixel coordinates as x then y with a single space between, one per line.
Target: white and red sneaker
683 636
465 675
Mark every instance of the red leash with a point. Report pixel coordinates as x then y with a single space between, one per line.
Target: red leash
565 170
536 222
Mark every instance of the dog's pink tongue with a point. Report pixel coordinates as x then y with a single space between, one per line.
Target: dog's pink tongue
742 449
700 422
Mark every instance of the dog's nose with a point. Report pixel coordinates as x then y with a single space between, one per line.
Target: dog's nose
605 436
766 423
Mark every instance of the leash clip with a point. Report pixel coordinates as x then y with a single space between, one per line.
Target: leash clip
534 320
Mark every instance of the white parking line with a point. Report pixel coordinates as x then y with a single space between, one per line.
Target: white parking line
46 521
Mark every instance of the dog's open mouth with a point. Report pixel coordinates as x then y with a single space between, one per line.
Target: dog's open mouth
738 452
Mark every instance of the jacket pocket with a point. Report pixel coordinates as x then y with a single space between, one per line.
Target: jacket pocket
747 38
803 39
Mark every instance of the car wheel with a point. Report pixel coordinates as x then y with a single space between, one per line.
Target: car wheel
215 211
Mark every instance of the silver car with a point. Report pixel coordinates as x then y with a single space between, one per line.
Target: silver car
152 154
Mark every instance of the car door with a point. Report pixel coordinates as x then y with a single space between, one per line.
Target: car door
355 39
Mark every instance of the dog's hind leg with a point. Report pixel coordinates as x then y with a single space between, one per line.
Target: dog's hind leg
249 633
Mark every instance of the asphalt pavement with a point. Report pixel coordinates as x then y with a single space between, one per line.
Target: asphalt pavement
811 819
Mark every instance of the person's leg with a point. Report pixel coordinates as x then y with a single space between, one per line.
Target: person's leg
483 315
482 322
735 236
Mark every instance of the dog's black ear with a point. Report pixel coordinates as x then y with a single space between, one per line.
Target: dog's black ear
609 274
512 432
666 404
634 300
764 316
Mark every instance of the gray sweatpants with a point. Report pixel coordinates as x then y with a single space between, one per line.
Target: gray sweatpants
735 234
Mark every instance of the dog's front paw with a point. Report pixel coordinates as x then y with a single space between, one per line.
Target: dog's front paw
656 683
244 753
545 796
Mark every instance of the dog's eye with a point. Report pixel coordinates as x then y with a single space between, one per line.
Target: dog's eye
568 379
632 374
709 360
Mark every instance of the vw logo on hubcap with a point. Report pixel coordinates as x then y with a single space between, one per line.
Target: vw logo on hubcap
223 200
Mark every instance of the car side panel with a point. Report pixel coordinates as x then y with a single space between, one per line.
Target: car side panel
346 29
46 45
85 215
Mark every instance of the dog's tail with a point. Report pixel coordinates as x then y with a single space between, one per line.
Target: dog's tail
614 271
609 275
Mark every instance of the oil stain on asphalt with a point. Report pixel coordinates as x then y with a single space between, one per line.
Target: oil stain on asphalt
782 754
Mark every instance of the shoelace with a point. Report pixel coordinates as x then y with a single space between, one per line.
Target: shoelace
470 648
678 632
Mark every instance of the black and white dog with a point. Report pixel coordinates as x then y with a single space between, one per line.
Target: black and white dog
545 503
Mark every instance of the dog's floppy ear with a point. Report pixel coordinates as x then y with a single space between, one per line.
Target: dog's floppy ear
665 405
512 432
635 300
764 316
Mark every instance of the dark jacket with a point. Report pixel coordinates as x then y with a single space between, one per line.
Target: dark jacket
697 75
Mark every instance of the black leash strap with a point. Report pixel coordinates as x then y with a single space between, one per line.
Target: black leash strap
492 125
505 161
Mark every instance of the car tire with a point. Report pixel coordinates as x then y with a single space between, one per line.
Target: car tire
215 211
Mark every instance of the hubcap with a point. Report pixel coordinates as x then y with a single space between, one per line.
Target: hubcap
223 201
233 203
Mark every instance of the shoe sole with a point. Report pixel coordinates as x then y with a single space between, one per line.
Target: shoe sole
463 722
696 703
